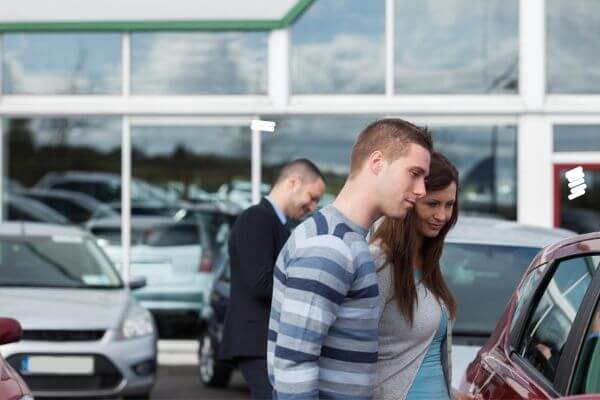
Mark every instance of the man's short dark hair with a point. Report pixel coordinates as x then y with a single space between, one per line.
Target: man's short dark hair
391 136
303 167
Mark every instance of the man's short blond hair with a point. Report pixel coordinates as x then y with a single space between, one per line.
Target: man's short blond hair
391 136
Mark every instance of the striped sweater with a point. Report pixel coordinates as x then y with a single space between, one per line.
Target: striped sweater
323 324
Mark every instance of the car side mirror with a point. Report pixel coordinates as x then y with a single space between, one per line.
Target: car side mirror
10 331
137 282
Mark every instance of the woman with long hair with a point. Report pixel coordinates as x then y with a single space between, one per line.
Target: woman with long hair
416 306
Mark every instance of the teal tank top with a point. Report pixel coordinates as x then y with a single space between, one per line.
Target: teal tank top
430 383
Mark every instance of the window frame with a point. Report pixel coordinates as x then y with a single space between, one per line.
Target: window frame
568 360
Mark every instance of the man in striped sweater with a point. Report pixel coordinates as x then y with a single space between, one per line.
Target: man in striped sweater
322 340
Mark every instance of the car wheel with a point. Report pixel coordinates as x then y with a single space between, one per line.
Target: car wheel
213 373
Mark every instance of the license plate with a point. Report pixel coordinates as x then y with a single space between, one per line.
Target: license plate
57 365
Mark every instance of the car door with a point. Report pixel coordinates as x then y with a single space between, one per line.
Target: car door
538 360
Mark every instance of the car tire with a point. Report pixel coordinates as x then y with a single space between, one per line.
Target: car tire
213 373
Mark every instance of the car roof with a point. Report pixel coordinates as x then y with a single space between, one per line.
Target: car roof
140 222
30 229
481 230
558 249
81 175
78 197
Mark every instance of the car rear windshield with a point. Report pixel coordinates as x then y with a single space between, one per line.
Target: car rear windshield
57 261
482 278
163 235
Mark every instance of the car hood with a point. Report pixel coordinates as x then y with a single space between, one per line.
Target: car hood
461 358
64 309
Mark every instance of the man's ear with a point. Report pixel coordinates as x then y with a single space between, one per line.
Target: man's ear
376 162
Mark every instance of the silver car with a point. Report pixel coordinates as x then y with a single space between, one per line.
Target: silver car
83 332
482 263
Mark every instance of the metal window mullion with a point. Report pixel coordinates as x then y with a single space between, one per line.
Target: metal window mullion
125 197
279 67
126 63
3 153
532 53
390 55
256 165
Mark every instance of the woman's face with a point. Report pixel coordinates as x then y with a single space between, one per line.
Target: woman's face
433 211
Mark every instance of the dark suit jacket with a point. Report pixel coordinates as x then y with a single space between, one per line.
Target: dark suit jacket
254 244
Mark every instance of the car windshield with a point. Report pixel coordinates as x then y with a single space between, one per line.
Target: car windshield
57 261
482 278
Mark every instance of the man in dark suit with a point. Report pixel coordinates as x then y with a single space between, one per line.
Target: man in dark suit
254 244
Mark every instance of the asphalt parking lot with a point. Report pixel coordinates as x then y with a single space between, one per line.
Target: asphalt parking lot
178 376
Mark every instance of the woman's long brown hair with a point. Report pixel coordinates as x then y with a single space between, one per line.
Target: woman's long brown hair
398 241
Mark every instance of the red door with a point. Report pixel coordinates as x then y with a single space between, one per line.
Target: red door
581 214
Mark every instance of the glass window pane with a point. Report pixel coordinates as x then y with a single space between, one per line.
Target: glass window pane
456 46
62 63
338 46
486 158
548 329
199 63
573 28
482 277
588 367
576 138
50 158
203 163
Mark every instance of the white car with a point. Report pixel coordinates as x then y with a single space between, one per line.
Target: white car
84 334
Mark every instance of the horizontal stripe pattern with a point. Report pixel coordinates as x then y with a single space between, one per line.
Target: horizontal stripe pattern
322 339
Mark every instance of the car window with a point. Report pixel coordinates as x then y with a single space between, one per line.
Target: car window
173 235
58 261
482 279
527 290
587 373
104 192
547 330
112 235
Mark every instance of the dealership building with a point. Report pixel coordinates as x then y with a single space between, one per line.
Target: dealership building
164 92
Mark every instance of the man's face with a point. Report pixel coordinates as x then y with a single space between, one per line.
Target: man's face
402 181
304 197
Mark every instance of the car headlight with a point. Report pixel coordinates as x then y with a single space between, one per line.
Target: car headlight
137 323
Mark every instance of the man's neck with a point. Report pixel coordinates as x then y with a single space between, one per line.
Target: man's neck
355 203
277 198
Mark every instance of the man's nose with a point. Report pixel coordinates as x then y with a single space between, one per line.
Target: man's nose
419 190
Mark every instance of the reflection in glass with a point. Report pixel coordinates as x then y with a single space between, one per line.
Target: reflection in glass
199 63
581 214
62 63
327 141
200 163
548 329
576 138
338 46
456 46
573 28
39 148
486 158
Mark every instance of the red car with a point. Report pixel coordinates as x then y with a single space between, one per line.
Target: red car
12 386
546 344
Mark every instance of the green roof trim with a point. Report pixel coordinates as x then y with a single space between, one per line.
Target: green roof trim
229 25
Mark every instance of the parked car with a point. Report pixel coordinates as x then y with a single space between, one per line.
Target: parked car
146 199
546 344
75 206
21 208
212 371
175 257
12 385
482 261
83 333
